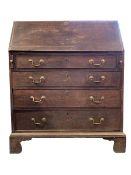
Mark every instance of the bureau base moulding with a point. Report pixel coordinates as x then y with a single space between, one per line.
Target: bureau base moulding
119 138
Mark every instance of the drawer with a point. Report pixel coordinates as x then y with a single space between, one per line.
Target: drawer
65 61
66 98
90 120
59 77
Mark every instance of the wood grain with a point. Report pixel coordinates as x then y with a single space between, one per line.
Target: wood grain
68 120
66 78
66 36
65 60
66 98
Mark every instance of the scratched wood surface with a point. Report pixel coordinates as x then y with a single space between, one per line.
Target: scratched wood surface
66 36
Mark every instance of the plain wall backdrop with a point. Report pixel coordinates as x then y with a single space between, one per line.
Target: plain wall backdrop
63 156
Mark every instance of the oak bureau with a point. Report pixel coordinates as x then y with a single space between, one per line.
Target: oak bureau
66 80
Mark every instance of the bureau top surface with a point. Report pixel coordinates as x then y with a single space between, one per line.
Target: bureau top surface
66 36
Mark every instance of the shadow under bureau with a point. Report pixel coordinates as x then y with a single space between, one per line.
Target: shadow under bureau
66 80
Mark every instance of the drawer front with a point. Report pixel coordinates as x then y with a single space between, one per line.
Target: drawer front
64 61
66 98
72 77
91 120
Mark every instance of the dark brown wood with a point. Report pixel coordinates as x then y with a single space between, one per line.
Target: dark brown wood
120 144
15 143
68 119
66 80
66 98
119 138
66 36
66 60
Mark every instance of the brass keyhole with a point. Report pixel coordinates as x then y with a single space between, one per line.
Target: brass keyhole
67 116
67 76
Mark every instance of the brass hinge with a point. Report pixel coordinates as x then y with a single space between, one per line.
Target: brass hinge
11 61
121 61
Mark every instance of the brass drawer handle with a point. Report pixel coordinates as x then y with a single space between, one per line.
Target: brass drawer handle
41 61
41 123
92 98
35 100
102 78
92 62
37 81
96 123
